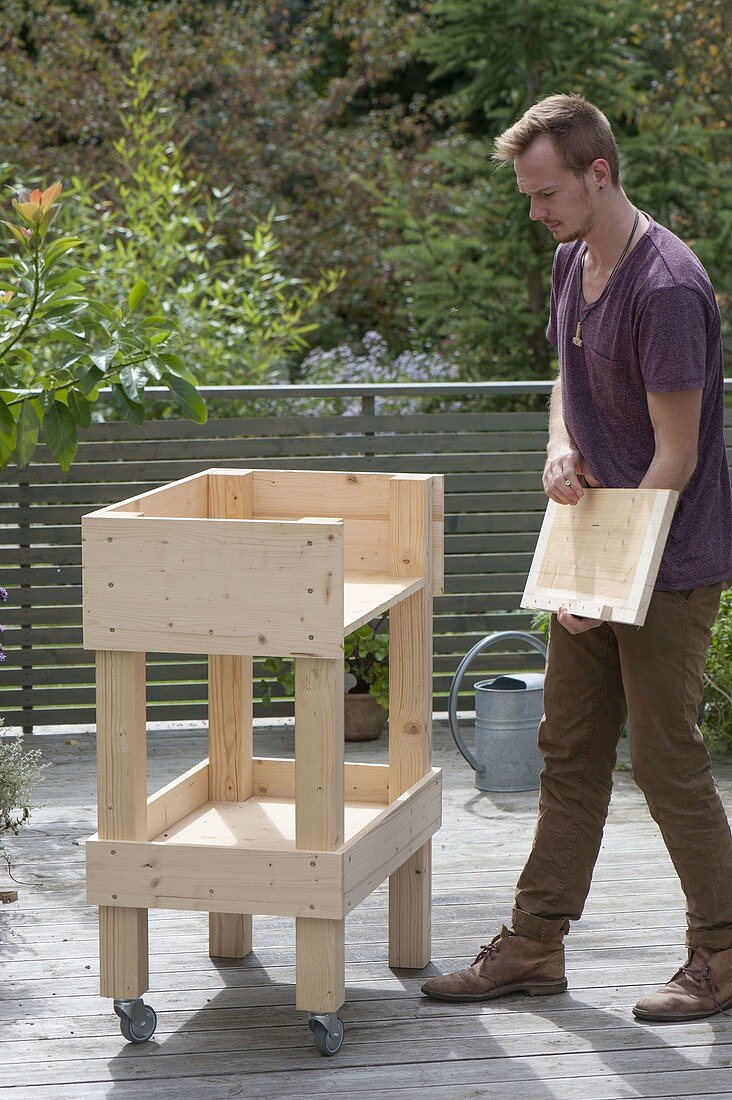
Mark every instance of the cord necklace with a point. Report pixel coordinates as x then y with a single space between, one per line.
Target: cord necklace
577 338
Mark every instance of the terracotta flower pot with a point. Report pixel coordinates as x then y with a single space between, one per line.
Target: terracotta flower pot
364 717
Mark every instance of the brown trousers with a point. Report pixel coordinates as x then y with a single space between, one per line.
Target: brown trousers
651 675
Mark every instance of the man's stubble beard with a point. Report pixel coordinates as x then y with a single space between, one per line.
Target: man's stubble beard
585 228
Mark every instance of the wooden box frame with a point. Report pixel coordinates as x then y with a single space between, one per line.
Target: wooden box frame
236 564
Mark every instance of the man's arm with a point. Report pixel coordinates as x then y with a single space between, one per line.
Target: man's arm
675 418
564 462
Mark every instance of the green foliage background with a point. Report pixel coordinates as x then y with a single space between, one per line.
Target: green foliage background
367 125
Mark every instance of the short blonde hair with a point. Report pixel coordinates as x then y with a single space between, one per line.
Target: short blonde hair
580 132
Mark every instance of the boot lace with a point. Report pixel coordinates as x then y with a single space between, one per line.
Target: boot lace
490 950
701 974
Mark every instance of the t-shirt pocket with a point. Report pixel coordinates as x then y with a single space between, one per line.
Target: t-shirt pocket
608 381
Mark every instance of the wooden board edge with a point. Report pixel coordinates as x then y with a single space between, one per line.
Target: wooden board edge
127 874
390 839
180 797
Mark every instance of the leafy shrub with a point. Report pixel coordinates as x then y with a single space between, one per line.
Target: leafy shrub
239 315
20 771
59 344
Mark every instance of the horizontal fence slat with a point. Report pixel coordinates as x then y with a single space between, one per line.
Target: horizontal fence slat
306 446
220 428
161 472
41 513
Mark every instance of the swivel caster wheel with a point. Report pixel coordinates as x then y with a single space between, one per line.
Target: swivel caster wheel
327 1032
137 1021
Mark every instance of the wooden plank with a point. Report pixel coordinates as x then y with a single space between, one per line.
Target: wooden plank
122 813
235 427
319 824
397 834
177 799
410 714
206 877
54 496
186 497
62 515
230 741
381 438
289 582
600 558
158 472
362 782
231 731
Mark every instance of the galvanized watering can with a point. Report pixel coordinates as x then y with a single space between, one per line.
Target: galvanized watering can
508 710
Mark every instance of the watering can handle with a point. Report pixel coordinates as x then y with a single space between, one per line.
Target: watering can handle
501 636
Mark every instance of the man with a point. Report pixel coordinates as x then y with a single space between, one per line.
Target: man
638 402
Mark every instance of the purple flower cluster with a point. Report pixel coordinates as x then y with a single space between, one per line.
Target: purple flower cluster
374 363
3 598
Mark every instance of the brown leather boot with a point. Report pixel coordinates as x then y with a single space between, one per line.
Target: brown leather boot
508 964
701 988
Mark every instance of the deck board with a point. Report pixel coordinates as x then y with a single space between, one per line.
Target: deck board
231 1029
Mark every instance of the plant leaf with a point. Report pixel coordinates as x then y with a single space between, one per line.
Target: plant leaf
136 295
130 410
80 408
59 432
90 380
8 433
27 438
187 396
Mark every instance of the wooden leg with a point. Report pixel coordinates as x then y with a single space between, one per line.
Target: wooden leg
319 950
230 744
319 759
410 911
123 952
229 935
122 808
410 720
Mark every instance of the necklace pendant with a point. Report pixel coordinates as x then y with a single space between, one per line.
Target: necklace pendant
577 338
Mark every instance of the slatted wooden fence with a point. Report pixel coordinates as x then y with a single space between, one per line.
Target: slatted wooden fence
494 505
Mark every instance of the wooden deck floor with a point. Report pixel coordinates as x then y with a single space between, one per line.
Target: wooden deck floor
232 1031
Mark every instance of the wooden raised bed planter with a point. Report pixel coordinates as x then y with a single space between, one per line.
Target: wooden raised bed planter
240 563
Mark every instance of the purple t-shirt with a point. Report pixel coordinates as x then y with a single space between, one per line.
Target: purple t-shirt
656 328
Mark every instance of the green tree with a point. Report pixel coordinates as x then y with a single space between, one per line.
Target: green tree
476 271
239 317
282 102
59 344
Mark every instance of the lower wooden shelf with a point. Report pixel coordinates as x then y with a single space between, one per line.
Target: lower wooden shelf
240 857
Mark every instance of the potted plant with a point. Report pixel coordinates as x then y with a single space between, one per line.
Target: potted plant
366 681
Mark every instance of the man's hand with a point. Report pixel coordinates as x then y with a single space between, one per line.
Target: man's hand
562 472
576 624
